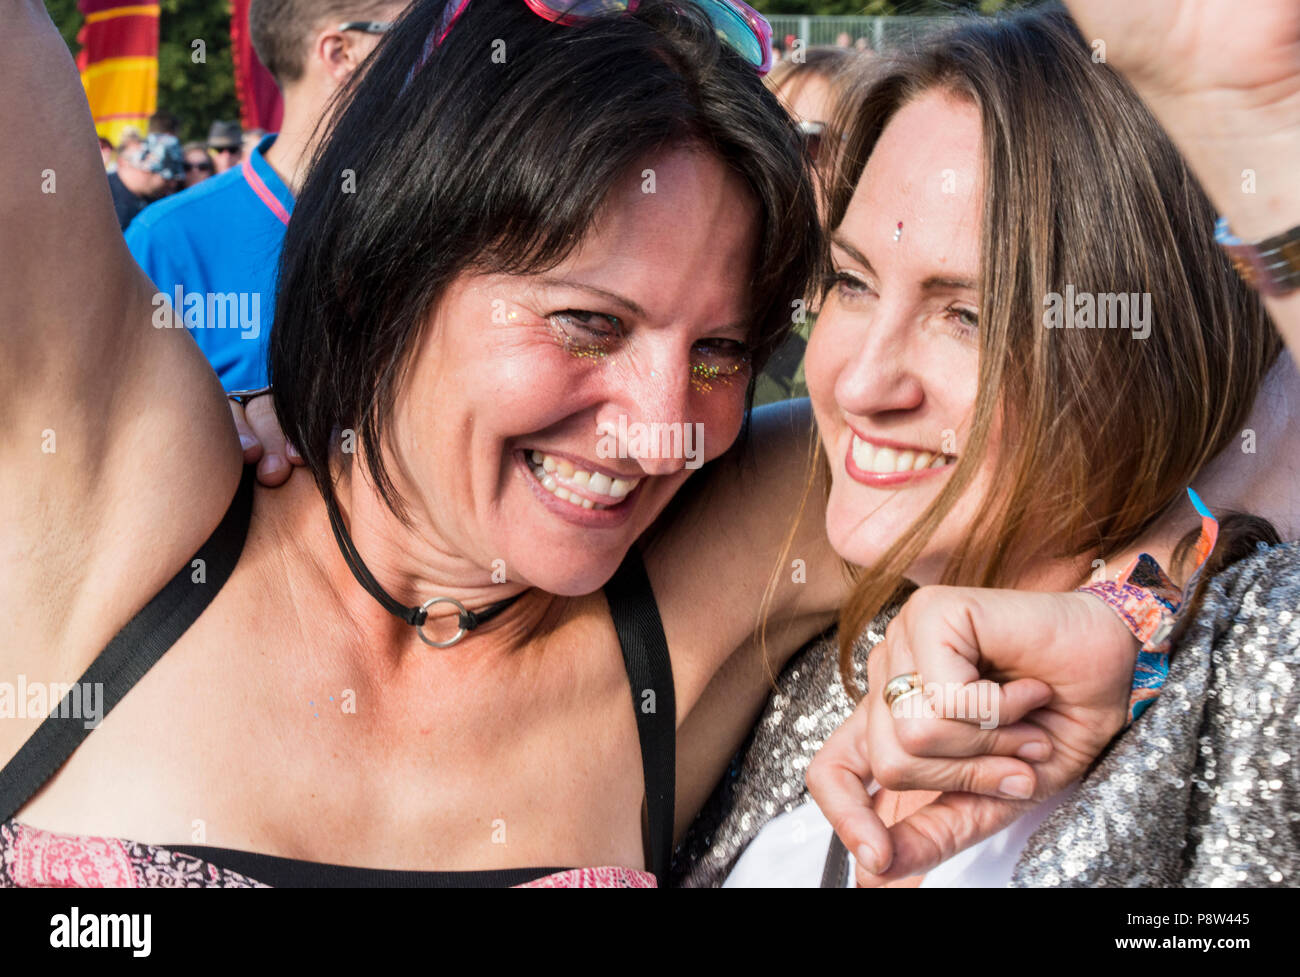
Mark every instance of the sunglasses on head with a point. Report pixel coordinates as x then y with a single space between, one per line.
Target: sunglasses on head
739 26
813 134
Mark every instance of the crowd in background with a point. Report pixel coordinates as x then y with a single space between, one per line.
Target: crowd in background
149 166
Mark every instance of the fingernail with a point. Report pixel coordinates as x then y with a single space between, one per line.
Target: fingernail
292 452
246 442
1018 787
868 859
272 463
1034 751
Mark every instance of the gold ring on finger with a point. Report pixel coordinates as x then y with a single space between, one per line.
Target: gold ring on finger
900 687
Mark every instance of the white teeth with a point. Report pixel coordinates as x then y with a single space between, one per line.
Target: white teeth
888 461
862 453
559 476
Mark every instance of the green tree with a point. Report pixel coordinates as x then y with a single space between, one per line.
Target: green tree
67 19
198 92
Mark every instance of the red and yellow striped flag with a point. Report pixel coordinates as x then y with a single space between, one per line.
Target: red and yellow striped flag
119 64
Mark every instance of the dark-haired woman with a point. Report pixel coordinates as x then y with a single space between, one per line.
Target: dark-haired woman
520 301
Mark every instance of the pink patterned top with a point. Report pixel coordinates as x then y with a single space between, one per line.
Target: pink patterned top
30 857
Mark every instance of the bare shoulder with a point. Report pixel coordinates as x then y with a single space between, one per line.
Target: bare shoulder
749 547
745 577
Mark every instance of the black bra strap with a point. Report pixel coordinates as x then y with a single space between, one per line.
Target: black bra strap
132 652
650 676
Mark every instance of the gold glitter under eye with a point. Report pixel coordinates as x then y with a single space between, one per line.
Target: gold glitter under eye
705 375
584 352
592 348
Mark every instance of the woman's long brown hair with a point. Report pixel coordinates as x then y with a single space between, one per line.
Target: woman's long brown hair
1101 431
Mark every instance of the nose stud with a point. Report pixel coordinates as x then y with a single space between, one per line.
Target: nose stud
898 231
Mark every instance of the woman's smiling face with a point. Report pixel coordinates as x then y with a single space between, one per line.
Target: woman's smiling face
892 365
524 431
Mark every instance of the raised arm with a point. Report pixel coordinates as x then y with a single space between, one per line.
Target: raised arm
67 278
117 454
1223 78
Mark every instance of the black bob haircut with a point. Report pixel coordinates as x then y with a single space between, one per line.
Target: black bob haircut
502 166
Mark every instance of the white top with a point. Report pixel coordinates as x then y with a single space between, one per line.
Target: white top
790 851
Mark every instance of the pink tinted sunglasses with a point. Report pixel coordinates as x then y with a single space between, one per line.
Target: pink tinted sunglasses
738 24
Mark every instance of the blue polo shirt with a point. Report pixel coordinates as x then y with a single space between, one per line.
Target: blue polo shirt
213 251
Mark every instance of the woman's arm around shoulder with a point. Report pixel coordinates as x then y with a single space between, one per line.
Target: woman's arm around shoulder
736 601
747 551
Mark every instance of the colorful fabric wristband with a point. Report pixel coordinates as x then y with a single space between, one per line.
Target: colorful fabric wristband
1148 603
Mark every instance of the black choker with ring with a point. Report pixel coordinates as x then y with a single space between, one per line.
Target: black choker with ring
466 619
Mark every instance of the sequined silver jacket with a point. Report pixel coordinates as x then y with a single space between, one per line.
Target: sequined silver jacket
1201 791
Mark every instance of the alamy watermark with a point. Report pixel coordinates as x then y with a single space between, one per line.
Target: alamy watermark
42 700
209 310
951 700
654 440
75 930
1098 310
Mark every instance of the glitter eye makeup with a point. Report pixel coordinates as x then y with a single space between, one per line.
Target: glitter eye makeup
593 335
704 376
576 331
588 352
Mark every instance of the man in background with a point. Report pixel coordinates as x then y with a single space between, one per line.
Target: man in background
226 144
131 139
164 123
223 237
146 172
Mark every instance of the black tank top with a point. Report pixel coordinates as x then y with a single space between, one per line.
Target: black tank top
144 639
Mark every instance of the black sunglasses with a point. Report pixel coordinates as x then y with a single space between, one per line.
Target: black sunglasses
367 26
205 167
813 133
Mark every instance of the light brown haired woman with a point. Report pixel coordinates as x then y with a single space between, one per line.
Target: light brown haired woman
974 437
